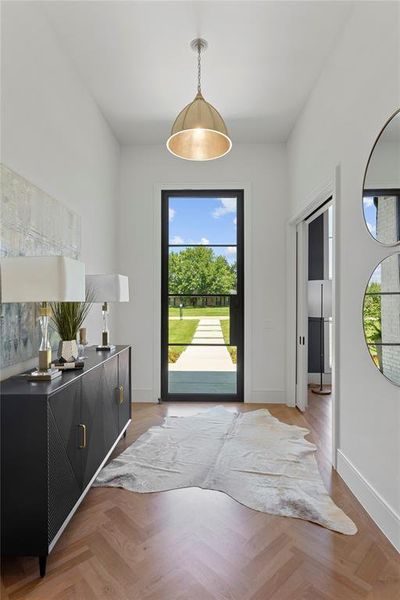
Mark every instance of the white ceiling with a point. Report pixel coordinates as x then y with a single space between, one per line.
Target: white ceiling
262 62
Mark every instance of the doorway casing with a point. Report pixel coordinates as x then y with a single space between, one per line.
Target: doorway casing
315 200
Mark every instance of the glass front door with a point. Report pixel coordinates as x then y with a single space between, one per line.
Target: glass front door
202 295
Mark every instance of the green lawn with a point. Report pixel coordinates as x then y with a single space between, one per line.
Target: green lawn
180 332
225 332
207 311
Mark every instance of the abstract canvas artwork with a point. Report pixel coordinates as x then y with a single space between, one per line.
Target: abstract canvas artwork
32 223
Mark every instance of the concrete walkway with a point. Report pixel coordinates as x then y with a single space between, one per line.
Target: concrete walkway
205 358
204 369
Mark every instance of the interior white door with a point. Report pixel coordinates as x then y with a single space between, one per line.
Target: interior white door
302 316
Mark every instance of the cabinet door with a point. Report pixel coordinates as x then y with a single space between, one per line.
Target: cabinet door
124 381
64 458
99 415
110 403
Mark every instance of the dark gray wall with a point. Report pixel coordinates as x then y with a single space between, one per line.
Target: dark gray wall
316 248
315 271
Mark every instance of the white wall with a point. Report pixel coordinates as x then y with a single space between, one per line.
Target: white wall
356 92
263 168
54 135
384 167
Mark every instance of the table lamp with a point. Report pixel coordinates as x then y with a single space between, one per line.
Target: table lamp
320 306
107 288
42 279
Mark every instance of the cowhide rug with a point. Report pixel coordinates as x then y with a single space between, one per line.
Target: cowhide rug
253 457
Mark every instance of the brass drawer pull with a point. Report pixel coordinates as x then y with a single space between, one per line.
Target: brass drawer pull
121 394
84 436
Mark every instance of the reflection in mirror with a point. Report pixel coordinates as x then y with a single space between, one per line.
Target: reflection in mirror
381 194
382 317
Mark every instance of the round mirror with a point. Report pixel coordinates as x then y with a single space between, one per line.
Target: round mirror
381 190
382 317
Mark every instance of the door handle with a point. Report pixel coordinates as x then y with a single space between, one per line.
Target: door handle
120 392
84 435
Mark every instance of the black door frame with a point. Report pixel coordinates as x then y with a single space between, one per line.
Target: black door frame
165 195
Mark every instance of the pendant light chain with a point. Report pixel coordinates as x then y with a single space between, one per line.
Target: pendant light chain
199 68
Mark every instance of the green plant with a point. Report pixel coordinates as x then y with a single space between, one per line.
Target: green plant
225 332
372 316
68 317
180 332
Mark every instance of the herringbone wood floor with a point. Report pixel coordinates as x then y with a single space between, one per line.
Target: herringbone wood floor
201 545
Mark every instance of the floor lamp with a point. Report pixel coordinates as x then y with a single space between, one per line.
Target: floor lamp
320 307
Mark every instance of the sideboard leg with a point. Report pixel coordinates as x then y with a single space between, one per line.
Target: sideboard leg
42 565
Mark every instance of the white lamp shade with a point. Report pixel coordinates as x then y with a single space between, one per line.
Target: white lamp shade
42 279
108 288
314 298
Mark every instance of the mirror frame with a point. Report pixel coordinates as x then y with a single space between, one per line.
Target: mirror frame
362 320
393 244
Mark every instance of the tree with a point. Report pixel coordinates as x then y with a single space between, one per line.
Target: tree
372 317
200 271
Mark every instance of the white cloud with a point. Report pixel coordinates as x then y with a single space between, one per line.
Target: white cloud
368 201
231 250
235 221
177 240
371 227
171 214
228 205
204 241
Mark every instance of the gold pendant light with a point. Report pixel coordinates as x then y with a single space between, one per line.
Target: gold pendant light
199 131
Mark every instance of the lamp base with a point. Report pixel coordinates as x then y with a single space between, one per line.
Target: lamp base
108 347
44 359
321 391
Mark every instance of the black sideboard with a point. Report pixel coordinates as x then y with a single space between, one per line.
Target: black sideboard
55 438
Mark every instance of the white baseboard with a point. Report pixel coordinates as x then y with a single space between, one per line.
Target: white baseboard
267 397
144 395
379 510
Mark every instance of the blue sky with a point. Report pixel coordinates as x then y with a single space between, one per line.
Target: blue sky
204 221
370 214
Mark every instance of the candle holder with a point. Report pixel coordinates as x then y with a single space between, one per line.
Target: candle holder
82 343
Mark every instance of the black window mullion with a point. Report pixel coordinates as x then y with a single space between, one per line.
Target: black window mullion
383 343
202 245
382 293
